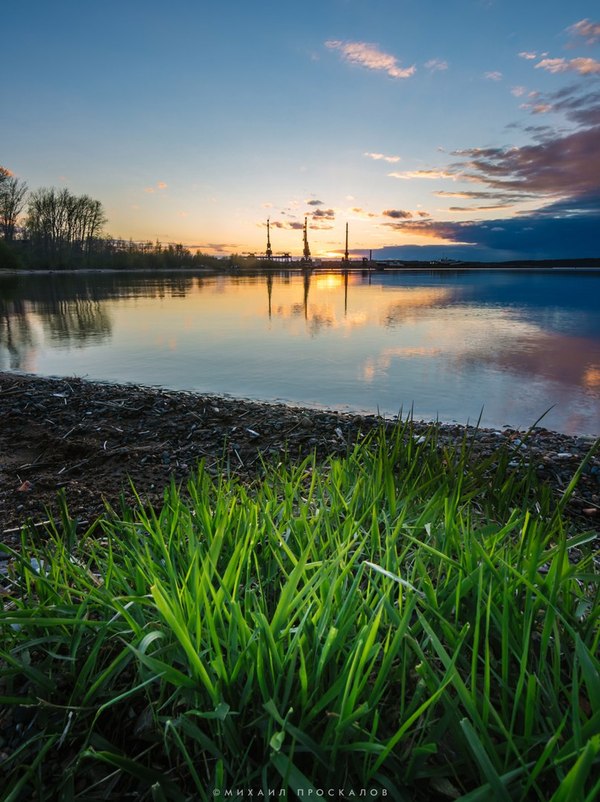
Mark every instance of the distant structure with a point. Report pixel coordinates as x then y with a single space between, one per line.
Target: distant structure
346 259
268 252
306 252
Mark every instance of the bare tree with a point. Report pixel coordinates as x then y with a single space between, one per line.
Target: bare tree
13 194
62 224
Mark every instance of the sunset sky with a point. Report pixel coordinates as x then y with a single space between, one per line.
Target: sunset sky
470 128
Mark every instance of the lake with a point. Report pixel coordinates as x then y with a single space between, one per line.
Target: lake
451 344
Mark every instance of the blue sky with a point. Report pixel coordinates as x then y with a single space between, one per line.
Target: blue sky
467 128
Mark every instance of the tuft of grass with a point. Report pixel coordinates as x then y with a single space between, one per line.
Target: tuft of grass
401 621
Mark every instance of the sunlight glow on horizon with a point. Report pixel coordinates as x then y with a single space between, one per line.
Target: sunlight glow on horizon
188 144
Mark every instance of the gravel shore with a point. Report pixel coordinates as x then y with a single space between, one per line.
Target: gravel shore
89 439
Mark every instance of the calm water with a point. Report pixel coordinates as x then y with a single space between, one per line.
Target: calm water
447 344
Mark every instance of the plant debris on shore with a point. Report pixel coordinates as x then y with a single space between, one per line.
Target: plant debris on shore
90 439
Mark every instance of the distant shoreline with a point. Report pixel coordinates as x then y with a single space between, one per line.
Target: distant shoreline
376 266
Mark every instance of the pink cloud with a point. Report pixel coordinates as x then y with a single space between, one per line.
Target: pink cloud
584 66
369 56
589 30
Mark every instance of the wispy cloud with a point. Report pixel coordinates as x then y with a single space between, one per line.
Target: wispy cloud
429 174
493 76
225 248
160 185
518 91
369 56
584 66
357 210
479 208
528 55
589 30
436 65
482 195
383 157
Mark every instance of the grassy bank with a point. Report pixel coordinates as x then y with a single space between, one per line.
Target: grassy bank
389 623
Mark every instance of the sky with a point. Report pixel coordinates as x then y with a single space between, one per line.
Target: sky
466 129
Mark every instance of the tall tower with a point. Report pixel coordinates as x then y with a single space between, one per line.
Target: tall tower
269 252
346 254
306 252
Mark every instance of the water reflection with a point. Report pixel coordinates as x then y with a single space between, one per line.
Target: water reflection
447 343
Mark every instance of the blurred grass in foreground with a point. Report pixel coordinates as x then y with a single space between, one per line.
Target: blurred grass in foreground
399 621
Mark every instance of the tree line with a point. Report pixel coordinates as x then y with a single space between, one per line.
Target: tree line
54 228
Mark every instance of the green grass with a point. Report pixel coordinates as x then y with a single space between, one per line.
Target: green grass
398 622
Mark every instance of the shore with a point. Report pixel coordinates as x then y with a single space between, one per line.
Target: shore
92 440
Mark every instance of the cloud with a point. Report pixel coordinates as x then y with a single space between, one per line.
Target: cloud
436 65
589 30
369 56
526 54
382 157
533 237
224 248
479 208
430 174
314 203
323 214
563 167
577 103
518 91
474 195
493 76
292 225
160 185
584 66
397 214
537 108
362 212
